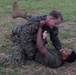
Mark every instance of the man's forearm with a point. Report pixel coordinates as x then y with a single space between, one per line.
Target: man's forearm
40 44
56 43
39 38
54 38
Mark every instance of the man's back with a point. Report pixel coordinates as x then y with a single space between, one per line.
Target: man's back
26 35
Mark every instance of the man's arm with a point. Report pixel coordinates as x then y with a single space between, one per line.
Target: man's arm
40 44
29 16
34 17
54 38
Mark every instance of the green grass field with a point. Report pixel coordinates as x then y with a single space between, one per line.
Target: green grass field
67 33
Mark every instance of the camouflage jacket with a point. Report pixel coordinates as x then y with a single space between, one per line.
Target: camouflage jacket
52 32
31 28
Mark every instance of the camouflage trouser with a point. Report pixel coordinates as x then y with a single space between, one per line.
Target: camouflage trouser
21 54
50 59
18 56
23 47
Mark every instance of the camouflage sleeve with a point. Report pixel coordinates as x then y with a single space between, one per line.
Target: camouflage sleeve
29 16
54 38
32 17
32 27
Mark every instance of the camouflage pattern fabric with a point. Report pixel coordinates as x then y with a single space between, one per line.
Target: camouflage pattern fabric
24 39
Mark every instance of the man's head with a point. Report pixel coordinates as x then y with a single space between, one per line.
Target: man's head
54 18
68 55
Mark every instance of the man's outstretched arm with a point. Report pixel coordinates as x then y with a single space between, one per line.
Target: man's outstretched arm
54 38
39 41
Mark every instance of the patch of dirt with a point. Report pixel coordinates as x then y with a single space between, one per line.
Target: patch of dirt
38 69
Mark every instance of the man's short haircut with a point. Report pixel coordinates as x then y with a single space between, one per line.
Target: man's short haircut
71 58
56 14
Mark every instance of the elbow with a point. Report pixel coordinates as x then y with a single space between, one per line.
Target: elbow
42 51
39 47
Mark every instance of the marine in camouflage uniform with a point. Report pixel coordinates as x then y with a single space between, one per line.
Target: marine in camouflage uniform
24 40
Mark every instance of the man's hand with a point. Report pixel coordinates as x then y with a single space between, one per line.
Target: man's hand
44 34
42 23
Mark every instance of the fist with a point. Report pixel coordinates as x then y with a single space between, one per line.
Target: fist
42 23
44 34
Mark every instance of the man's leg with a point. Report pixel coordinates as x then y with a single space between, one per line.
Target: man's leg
16 12
18 56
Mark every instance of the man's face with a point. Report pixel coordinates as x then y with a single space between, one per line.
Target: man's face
51 22
65 53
